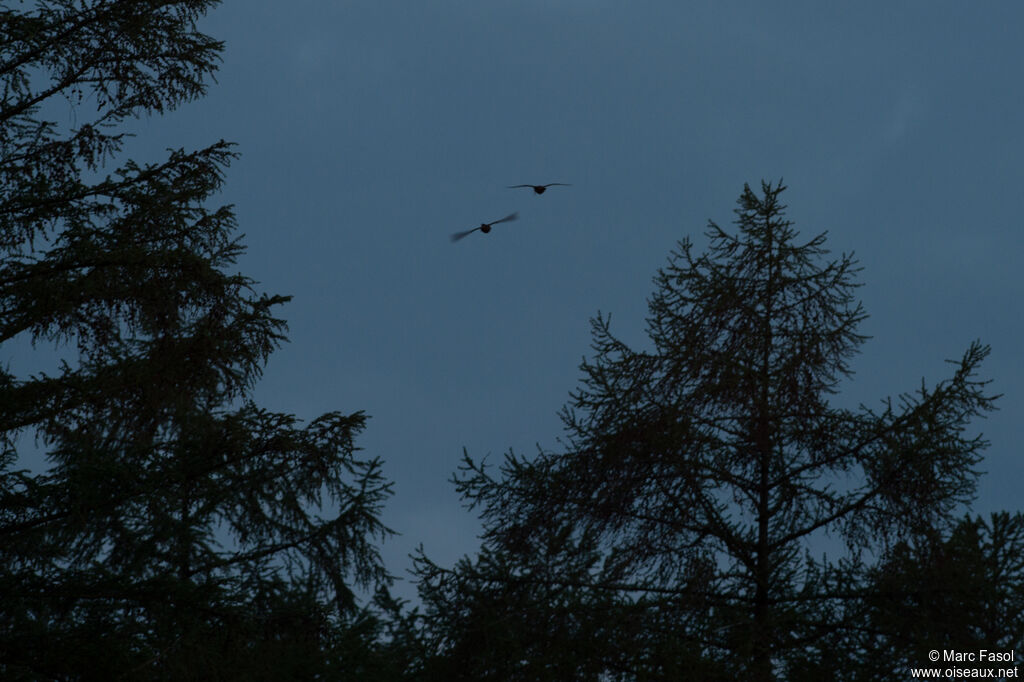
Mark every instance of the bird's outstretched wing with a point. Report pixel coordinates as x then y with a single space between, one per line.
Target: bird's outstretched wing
486 227
559 184
459 235
510 216
518 186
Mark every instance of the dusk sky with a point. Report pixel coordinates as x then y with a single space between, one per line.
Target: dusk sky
371 131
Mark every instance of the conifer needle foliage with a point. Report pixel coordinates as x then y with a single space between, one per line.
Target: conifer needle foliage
677 533
175 529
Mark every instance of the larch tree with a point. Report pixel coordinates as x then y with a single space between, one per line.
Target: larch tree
680 525
172 529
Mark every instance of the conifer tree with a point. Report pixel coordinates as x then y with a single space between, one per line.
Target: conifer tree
961 592
177 529
682 519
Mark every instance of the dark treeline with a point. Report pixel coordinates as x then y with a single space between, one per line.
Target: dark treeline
172 534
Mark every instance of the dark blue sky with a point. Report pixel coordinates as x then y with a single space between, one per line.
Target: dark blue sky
370 131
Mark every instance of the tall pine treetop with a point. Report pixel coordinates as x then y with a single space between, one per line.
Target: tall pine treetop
699 476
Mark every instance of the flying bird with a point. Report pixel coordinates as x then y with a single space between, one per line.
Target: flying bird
485 227
540 189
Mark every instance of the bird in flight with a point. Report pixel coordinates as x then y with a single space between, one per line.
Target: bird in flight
539 189
485 227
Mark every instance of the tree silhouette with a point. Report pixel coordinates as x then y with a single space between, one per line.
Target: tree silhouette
175 531
960 592
699 476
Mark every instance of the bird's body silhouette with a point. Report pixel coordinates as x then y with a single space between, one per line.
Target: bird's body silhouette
540 189
485 227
